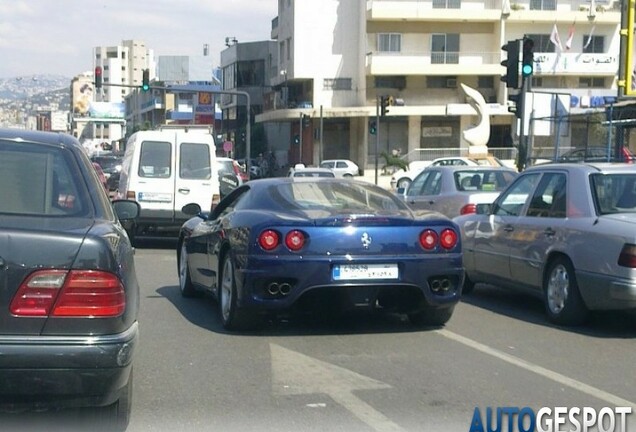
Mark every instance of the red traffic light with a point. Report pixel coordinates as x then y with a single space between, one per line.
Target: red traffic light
98 77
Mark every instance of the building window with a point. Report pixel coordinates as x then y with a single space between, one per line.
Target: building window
594 44
250 73
447 4
591 82
389 42
392 82
485 82
542 43
441 82
445 48
281 51
336 84
542 4
288 48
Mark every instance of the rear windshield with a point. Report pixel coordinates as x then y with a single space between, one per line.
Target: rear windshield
483 180
194 161
40 180
310 195
155 161
614 193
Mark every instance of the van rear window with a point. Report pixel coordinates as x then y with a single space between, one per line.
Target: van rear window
194 161
156 158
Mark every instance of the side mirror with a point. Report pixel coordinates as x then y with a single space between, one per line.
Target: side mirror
483 209
191 209
401 191
126 210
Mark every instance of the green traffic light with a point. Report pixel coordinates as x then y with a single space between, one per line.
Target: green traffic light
526 70
145 87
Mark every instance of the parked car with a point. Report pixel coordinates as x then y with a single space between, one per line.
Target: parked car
342 167
302 171
563 232
402 178
597 154
70 298
282 244
456 189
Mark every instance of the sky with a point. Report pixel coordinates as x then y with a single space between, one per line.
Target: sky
58 36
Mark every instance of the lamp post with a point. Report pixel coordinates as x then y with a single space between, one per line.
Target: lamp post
283 73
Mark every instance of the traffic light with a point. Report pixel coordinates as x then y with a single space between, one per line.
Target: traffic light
385 101
145 80
511 78
296 139
98 78
527 63
373 127
517 104
306 120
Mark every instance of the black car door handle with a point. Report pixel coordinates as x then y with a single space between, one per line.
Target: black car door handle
508 228
549 232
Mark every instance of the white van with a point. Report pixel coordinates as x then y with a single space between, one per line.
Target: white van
165 170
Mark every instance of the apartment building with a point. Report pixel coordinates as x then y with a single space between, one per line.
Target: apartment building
337 58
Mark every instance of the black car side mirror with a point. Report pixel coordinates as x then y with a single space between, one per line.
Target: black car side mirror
483 208
126 209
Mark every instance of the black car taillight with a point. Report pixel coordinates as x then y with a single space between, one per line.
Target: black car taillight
74 293
627 258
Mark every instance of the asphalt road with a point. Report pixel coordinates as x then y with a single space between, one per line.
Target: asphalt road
366 373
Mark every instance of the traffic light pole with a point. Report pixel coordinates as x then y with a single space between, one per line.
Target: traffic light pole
377 135
300 139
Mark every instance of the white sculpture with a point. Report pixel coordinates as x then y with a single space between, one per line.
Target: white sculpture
478 135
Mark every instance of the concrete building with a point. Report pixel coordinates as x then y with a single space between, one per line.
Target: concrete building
248 67
335 59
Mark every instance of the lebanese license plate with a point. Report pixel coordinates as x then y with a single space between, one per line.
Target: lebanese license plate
365 271
154 197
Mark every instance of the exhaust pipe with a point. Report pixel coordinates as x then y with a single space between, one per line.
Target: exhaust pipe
435 285
273 288
284 288
445 284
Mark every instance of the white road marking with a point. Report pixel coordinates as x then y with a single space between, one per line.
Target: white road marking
294 373
554 376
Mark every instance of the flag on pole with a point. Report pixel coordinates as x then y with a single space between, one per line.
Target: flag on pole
554 38
568 42
589 37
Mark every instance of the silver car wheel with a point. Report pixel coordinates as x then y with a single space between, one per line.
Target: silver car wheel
558 287
227 289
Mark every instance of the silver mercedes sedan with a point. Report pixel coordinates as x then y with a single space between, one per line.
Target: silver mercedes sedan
455 189
563 232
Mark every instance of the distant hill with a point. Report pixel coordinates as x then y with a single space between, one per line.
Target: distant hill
35 90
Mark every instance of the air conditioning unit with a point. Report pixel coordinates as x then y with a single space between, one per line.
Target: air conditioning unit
451 83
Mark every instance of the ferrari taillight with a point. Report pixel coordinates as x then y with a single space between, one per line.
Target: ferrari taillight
428 239
627 258
74 293
268 239
448 239
295 240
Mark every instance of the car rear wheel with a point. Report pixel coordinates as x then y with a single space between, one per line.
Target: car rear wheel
185 283
404 183
563 302
349 176
232 317
432 316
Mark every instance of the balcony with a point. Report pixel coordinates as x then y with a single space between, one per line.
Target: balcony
491 10
434 63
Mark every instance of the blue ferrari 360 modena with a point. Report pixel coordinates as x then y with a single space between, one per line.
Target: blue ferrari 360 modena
280 244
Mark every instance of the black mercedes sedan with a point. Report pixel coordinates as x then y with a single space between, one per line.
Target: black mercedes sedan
69 296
